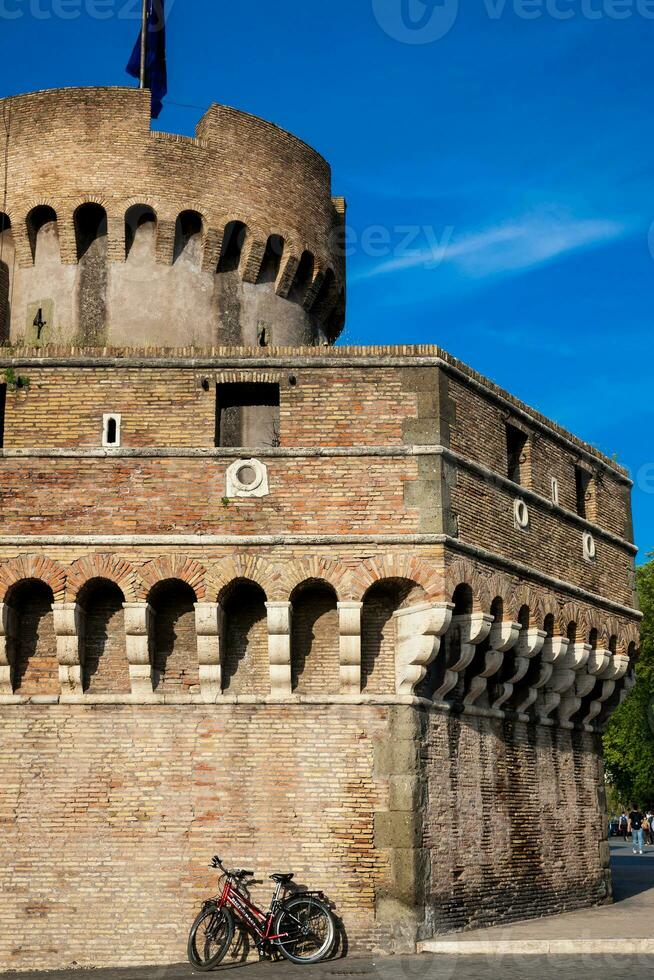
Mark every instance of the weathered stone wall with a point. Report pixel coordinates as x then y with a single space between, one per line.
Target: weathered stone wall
514 821
477 430
64 406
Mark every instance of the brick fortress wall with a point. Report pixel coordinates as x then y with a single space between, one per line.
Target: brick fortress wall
376 647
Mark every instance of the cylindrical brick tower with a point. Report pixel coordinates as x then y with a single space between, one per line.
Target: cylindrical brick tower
114 235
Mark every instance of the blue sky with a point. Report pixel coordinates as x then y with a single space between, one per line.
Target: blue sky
497 157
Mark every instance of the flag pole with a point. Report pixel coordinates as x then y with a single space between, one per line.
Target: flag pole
144 41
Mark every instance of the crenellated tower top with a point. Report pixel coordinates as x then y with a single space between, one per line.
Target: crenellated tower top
113 234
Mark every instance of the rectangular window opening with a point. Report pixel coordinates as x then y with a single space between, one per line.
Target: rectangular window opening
585 486
517 455
247 414
3 402
111 431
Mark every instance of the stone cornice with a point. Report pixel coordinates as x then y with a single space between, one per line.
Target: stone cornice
259 700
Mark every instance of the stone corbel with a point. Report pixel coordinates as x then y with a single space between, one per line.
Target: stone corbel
616 668
608 687
598 661
469 630
279 647
503 636
139 619
7 642
553 653
209 618
349 633
602 666
419 629
69 630
576 659
613 671
530 643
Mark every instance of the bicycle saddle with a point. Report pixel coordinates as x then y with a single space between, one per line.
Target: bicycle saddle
283 879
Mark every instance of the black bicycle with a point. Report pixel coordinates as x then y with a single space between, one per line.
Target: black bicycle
301 926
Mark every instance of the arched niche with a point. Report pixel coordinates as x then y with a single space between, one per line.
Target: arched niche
43 235
272 258
105 667
188 239
314 640
232 247
175 645
245 659
36 668
7 259
303 278
140 234
379 633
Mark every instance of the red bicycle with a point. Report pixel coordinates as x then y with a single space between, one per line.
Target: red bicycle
301 927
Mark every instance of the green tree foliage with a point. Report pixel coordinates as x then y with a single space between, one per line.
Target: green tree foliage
629 736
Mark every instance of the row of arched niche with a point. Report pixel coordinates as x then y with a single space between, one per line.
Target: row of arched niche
90 226
548 665
244 650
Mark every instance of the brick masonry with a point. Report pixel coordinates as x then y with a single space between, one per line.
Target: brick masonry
388 672
114 814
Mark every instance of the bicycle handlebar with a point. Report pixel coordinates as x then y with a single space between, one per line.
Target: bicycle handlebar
235 873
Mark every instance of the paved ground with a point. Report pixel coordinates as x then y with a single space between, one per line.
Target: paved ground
425 967
632 917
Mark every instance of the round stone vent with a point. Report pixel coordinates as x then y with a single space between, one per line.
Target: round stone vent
247 478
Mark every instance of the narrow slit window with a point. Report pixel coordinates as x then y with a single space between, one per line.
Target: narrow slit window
247 415
584 487
3 402
555 490
517 457
111 431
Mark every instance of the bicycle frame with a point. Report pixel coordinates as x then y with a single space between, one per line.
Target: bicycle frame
260 922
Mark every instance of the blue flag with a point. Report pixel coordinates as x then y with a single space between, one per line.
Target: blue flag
156 76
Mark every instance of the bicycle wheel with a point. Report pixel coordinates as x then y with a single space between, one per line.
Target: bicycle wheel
307 928
210 937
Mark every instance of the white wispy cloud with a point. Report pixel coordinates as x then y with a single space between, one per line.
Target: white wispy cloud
504 249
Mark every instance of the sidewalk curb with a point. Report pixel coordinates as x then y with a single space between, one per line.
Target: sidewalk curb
537 947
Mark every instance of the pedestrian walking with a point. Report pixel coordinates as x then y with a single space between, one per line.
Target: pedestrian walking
648 827
622 825
635 825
